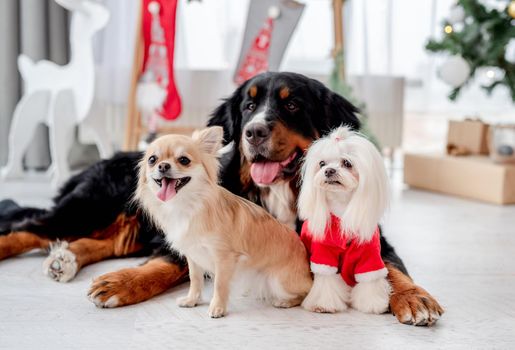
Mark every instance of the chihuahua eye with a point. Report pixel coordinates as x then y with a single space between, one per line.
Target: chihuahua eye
347 164
322 164
184 160
291 106
251 106
152 160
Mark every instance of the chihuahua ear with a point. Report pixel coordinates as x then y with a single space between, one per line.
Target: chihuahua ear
210 139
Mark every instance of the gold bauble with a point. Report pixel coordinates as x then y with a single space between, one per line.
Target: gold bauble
511 9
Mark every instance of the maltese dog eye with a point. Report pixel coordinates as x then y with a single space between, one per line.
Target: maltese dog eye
346 164
322 164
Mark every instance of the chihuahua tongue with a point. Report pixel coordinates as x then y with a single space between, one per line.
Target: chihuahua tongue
264 172
167 190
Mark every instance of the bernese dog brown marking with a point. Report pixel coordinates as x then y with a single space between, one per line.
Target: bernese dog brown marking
104 191
253 91
20 242
116 240
408 300
284 93
134 285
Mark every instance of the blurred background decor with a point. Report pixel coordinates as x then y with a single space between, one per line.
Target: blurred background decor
59 96
371 51
38 29
481 36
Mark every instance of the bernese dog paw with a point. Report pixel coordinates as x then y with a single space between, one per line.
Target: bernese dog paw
61 264
111 290
416 307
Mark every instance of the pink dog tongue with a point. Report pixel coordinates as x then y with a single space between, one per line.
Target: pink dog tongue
264 172
167 190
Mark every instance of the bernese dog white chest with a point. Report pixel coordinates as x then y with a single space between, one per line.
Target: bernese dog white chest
279 200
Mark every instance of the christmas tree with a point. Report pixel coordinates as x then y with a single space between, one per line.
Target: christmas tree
480 36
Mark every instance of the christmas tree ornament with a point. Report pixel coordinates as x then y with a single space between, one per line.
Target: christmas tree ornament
457 15
511 9
454 71
486 76
509 55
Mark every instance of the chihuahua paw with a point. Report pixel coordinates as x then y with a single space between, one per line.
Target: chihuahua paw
280 303
216 311
187 301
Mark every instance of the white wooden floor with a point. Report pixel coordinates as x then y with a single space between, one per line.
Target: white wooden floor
461 251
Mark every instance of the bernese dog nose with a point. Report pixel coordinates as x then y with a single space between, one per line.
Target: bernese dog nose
163 167
330 172
257 134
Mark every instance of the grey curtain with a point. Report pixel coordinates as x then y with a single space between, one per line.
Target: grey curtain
39 29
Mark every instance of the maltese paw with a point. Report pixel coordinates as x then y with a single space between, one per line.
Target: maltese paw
61 264
371 297
329 294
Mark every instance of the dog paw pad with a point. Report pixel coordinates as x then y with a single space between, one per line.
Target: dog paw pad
61 264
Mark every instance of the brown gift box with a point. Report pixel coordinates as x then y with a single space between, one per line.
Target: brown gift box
475 177
469 136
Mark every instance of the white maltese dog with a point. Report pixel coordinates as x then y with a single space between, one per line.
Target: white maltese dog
343 196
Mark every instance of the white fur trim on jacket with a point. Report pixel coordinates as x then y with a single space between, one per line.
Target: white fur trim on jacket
323 269
370 276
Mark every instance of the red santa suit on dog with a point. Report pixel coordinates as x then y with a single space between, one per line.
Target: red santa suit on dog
355 261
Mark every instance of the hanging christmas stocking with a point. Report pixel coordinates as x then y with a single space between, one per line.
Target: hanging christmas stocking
256 60
157 93
270 25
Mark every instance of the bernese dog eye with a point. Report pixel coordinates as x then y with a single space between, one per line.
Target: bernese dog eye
251 106
347 164
322 164
291 106
184 160
152 160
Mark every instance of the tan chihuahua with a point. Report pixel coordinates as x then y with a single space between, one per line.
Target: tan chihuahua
218 232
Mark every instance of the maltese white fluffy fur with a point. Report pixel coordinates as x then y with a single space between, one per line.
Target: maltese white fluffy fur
344 183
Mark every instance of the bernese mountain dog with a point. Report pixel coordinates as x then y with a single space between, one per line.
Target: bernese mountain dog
268 123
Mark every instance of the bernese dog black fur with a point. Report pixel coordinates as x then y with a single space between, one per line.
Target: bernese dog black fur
296 110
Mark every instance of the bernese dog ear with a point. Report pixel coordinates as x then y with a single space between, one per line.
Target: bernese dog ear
341 112
228 116
337 110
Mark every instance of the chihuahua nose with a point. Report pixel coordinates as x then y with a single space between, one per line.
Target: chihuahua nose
164 167
257 134
330 172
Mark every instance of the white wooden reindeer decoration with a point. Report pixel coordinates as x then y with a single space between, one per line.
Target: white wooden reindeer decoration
59 96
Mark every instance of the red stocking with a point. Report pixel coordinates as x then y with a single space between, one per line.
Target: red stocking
256 60
158 64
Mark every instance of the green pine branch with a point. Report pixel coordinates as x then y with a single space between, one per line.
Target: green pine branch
482 43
